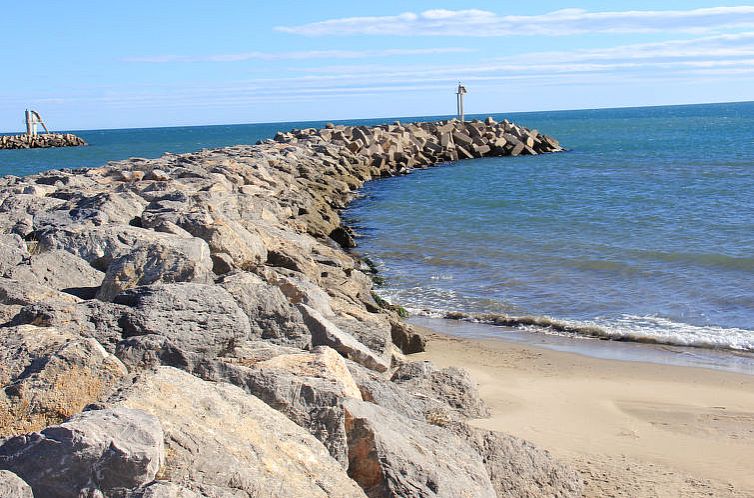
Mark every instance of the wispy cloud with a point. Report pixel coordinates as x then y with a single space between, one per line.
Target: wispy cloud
473 22
300 55
710 47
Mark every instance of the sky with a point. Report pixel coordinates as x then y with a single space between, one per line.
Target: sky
94 64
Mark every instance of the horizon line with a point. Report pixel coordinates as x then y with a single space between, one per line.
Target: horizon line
325 120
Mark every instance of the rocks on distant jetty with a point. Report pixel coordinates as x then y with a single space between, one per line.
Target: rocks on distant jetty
40 141
192 326
423 144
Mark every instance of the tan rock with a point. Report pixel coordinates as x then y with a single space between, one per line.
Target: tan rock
221 440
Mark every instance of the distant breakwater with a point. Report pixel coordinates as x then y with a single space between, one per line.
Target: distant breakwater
400 147
40 141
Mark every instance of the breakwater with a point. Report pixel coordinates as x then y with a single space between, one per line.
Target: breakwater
45 140
202 304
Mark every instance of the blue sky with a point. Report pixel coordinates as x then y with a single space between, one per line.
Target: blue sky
87 64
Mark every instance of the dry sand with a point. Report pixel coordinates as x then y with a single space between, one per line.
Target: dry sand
632 429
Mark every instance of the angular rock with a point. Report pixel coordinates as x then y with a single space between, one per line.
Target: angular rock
12 486
221 440
518 468
390 455
61 271
110 451
372 330
451 386
406 338
12 252
24 293
198 318
99 245
95 319
48 375
325 333
169 260
271 315
163 489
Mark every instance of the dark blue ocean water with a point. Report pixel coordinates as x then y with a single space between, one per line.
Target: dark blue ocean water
644 228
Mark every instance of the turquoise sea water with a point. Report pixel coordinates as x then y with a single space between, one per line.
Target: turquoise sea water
643 231
645 228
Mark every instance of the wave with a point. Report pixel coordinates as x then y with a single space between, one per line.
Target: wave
644 329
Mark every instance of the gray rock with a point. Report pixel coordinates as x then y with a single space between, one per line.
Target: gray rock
59 270
164 489
12 486
12 252
96 319
98 245
451 386
198 318
391 455
517 468
307 387
110 451
48 375
406 338
271 315
24 293
325 333
299 290
372 330
94 210
221 440
167 260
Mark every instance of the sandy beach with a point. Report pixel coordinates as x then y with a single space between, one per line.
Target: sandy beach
630 428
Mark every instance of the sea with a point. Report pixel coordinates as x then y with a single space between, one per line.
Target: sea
643 231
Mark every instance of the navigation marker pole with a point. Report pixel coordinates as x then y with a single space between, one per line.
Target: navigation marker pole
459 98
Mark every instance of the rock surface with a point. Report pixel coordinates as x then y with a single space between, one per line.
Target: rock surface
391 455
12 486
211 291
221 440
111 451
48 375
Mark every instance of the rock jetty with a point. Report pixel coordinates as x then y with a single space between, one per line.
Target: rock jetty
192 326
45 140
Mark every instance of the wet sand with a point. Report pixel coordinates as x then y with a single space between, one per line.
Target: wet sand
632 429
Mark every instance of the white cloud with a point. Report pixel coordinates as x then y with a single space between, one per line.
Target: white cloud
300 55
475 22
732 46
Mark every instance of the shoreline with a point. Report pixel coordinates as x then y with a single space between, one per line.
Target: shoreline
630 428
722 360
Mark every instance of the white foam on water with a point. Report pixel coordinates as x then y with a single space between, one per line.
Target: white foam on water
439 303
664 331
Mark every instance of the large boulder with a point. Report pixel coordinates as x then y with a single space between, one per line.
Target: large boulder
325 333
110 451
48 375
59 270
92 318
114 207
517 468
198 318
163 489
12 486
220 440
168 260
271 316
24 293
12 252
451 386
98 245
391 455
308 387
